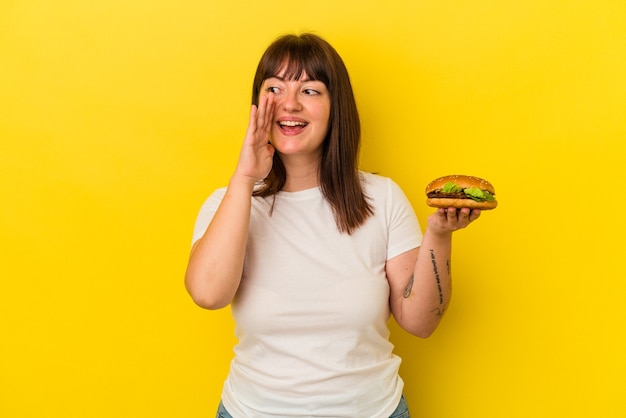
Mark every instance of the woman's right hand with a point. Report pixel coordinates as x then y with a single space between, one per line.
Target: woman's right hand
255 159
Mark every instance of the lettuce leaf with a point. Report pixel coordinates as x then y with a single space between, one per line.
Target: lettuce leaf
450 187
478 194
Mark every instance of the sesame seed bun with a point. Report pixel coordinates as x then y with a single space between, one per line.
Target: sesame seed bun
438 199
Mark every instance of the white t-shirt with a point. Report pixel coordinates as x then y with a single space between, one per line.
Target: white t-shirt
312 308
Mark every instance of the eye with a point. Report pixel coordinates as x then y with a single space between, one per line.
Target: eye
272 89
311 92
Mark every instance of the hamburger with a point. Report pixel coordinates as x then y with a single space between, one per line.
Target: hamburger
460 191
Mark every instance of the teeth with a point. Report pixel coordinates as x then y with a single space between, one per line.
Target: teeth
291 123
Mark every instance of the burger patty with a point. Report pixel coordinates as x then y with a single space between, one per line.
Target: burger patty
440 195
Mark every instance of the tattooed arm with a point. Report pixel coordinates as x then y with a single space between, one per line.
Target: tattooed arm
420 279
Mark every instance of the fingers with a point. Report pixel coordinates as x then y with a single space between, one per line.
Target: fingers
271 105
265 114
466 215
453 218
252 121
452 213
474 214
261 120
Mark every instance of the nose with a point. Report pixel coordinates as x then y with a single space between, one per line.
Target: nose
291 101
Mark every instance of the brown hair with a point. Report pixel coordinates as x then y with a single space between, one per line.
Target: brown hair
340 181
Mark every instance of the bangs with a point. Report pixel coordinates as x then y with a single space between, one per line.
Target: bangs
295 60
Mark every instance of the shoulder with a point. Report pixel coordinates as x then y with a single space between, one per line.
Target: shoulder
210 204
373 181
207 210
216 196
377 186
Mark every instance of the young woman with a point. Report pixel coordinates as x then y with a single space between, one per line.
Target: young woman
314 255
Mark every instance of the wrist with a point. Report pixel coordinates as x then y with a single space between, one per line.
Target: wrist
438 234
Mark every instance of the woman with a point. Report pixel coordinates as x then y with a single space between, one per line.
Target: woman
314 254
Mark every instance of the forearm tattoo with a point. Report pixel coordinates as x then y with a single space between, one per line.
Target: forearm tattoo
436 271
409 287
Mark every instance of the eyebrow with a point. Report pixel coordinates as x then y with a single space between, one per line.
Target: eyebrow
279 78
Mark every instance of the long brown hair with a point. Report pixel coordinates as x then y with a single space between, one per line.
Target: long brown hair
340 181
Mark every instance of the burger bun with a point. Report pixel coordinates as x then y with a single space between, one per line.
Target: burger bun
464 182
460 203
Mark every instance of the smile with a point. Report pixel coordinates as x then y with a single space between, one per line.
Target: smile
291 123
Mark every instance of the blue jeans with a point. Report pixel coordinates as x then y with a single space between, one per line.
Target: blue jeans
402 411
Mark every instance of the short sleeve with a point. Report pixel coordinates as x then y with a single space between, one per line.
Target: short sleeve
207 211
404 231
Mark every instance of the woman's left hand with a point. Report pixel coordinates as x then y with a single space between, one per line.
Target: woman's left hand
447 220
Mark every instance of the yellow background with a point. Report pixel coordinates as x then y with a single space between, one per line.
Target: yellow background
117 119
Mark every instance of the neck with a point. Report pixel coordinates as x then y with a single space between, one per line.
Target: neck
301 175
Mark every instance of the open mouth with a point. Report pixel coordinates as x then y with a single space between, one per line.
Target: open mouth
291 126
